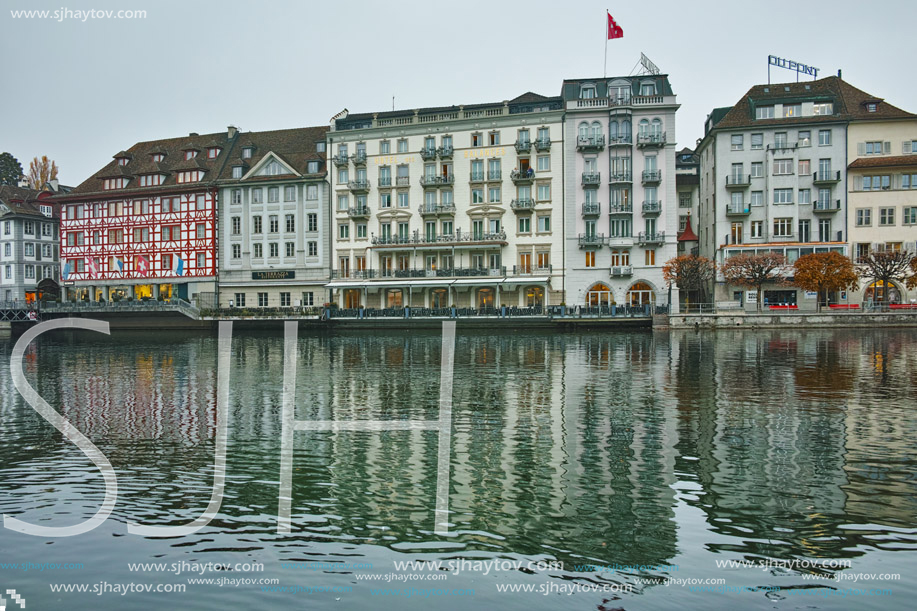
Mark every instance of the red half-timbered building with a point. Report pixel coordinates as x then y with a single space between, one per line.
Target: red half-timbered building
145 225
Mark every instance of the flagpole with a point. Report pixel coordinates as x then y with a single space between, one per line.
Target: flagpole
605 68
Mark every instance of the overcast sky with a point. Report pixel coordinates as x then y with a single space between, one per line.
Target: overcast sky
80 92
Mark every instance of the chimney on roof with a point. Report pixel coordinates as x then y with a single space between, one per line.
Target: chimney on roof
54 185
232 131
193 134
23 182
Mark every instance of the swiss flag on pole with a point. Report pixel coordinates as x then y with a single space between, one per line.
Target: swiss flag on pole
142 266
614 30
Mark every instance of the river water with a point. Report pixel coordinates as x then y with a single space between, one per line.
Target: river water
632 470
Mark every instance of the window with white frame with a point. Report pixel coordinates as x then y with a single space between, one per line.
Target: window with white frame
236 251
764 112
886 216
289 193
236 196
737 142
805 196
312 248
312 222
757 169
824 137
783 196
311 192
757 142
863 217
783 167
757 229
783 227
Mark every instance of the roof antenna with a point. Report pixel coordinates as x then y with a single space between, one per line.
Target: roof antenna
393 103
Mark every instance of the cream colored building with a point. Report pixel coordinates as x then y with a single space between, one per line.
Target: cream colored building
460 205
882 201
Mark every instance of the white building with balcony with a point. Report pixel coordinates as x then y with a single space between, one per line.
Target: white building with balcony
455 206
620 189
773 177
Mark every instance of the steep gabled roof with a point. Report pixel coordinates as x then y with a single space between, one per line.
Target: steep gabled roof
296 147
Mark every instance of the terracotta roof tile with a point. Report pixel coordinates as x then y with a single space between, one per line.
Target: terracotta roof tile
883 162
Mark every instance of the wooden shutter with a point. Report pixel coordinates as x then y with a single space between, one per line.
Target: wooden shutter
861 149
887 147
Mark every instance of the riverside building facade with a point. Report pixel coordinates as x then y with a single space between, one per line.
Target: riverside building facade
274 211
461 205
621 208
144 226
773 176
29 245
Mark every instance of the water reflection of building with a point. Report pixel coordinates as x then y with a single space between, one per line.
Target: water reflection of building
784 439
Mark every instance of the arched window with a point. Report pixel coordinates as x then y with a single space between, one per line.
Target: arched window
599 295
596 130
641 294
485 298
625 130
439 298
583 130
619 91
644 127
612 131
534 297
656 128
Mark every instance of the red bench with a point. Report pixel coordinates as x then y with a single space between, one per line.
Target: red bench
903 306
783 307
844 306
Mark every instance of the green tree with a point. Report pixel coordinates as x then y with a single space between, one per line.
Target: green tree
10 170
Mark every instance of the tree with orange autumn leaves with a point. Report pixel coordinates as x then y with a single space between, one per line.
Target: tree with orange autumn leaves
824 272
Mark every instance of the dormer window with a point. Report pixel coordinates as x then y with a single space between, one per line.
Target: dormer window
237 171
273 169
247 152
647 88
320 147
764 112
151 180
823 108
587 91
46 210
157 157
190 155
213 152
189 176
114 183
872 107
122 161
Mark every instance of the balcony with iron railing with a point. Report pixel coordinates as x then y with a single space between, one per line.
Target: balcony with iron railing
621 271
358 212
494 175
459 237
358 274
359 186
738 181
652 207
621 177
627 208
403 181
428 153
385 181
591 240
651 176
445 152
592 209
523 146
826 178
644 140
522 205
531 270
476 177
543 144
523 177
651 238
620 140
738 209
437 209
592 178
341 159
450 272
437 181
359 158
826 206
590 143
